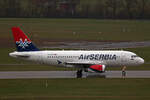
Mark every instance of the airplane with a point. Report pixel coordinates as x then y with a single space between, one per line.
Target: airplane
83 60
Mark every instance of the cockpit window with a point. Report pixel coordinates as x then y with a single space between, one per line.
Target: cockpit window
133 56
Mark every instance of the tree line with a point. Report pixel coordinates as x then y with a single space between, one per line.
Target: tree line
102 9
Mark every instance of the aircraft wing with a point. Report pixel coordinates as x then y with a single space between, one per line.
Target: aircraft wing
91 66
84 63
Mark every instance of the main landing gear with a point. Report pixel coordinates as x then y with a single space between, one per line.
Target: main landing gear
79 73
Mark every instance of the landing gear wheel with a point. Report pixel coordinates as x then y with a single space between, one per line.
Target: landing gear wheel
79 73
124 72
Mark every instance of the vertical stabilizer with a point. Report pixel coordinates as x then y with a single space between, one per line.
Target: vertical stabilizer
23 43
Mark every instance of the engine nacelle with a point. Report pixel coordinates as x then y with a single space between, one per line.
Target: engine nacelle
97 68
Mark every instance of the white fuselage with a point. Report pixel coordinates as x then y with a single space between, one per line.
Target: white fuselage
76 58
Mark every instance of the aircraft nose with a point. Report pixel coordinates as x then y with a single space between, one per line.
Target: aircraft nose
141 61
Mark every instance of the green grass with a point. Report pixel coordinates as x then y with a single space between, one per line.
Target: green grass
75 89
86 29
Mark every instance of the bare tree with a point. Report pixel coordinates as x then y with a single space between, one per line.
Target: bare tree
113 5
143 4
130 4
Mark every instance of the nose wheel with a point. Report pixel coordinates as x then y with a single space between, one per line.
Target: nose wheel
79 73
124 72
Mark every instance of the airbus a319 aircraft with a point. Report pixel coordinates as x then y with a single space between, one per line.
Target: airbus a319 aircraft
88 61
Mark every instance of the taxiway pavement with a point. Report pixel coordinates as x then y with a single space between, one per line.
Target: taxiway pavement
70 74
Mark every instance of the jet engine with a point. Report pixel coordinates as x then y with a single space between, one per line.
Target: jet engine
97 68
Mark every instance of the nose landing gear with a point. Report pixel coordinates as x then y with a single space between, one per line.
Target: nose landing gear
124 72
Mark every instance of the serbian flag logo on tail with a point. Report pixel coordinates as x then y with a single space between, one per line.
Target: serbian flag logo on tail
23 43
